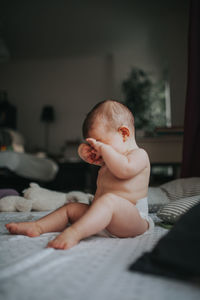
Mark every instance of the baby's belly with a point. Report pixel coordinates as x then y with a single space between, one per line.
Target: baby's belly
124 191
131 189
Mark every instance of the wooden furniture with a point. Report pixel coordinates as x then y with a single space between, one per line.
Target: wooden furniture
165 153
163 149
71 176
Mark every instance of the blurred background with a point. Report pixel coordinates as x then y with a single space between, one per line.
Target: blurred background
59 58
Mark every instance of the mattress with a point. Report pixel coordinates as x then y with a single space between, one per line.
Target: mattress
95 269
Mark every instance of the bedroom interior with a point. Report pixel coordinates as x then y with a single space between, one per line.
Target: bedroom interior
48 60
57 60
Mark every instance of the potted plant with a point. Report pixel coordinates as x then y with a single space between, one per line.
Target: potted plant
145 99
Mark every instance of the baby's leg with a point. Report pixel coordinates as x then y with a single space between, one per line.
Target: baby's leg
55 221
118 215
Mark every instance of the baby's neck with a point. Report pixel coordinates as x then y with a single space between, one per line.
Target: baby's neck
131 146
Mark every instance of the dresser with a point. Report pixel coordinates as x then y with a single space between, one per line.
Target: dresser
165 153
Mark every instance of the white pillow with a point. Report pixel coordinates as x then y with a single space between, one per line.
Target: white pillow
182 188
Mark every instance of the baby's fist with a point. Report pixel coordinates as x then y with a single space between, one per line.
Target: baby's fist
95 144
89 154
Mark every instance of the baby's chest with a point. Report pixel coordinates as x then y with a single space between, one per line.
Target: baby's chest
107 179
104 174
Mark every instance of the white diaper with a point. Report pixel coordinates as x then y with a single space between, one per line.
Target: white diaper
142 206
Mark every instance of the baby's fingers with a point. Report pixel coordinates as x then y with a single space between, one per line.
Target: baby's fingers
84 151
91 141
95 144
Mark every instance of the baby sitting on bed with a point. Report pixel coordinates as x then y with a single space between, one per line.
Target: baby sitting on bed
119 208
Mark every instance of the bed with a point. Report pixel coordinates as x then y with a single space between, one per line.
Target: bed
95 269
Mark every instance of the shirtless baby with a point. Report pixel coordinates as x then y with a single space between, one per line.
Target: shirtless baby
120 204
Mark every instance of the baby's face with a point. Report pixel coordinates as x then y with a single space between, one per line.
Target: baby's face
113 138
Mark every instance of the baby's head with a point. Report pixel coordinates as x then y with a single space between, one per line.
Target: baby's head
109 117
111 114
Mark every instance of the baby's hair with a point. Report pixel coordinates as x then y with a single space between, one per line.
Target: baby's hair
111 113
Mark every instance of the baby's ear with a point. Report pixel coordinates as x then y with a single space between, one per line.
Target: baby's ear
124 131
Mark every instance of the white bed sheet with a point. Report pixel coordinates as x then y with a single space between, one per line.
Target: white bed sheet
95 269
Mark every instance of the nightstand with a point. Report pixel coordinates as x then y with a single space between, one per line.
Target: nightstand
165 152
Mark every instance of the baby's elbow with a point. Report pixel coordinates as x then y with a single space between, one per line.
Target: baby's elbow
125 173
128 172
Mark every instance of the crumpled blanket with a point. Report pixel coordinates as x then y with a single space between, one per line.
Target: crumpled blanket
95 269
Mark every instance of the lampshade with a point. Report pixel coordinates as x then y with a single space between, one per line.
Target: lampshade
47 114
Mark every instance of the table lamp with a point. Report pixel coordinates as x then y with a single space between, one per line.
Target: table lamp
47 116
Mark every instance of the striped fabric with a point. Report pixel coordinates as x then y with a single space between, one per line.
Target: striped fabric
172 211
182 188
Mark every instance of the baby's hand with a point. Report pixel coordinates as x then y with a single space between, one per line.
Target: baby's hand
96 145
89 154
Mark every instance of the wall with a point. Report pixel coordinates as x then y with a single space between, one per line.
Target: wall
73 82
72 86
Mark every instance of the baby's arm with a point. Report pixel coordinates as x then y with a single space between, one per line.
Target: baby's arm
120 165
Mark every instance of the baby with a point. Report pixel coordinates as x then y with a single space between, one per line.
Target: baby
119 208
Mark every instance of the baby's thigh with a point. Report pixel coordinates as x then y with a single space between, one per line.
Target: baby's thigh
126 220
76 210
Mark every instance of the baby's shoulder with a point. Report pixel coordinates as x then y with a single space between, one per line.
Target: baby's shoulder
138 153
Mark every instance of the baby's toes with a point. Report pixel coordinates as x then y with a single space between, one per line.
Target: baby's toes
7 226
50 244
11 227
58 243
66 246
53 243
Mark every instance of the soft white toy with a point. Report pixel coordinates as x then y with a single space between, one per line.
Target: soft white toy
40 199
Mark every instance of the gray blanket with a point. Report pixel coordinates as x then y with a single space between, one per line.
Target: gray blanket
95 269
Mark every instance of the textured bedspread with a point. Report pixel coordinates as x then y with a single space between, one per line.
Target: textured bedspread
95 269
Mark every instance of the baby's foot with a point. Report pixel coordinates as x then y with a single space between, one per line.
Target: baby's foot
31 229
66 240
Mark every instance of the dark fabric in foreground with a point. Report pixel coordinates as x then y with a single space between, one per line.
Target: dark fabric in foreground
177 254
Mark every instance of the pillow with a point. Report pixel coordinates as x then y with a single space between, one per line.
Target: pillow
172 211
182 188
156 199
